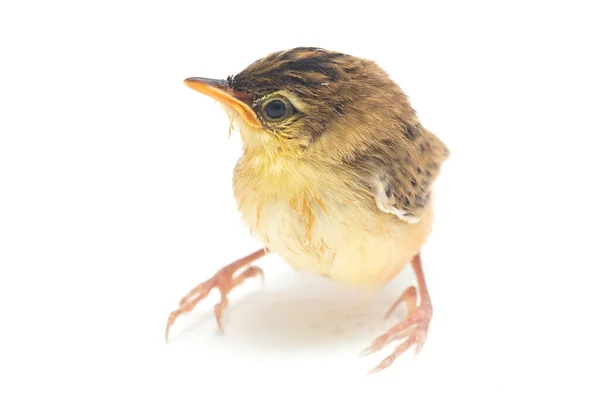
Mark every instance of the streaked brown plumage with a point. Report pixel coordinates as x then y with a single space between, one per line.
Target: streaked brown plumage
336 175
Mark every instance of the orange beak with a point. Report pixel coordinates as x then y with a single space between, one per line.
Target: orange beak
218 90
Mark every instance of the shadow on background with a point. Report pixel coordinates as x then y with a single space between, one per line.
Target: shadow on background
305 312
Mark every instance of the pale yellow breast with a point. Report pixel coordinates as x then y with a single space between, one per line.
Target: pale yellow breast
309 223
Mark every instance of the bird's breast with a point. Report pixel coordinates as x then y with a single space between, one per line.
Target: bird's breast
315 226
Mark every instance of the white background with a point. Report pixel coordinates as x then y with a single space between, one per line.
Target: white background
115 200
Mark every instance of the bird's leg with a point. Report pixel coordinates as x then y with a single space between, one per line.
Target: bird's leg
224 281
414 328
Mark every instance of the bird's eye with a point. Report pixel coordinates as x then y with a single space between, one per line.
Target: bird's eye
276 109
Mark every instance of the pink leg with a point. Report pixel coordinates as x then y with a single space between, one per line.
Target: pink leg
417 322
224 281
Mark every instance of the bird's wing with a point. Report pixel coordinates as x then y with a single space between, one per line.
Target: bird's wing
403 187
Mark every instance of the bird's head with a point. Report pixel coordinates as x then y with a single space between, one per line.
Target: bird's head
306 102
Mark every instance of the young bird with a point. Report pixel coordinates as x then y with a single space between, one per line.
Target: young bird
336 177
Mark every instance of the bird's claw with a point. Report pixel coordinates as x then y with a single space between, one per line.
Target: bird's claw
224 282
414 329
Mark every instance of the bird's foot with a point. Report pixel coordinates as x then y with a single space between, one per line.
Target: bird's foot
413 330
224 281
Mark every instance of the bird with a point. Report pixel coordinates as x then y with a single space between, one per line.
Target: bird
336 177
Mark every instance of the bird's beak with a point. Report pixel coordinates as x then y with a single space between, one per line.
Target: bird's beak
219 90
